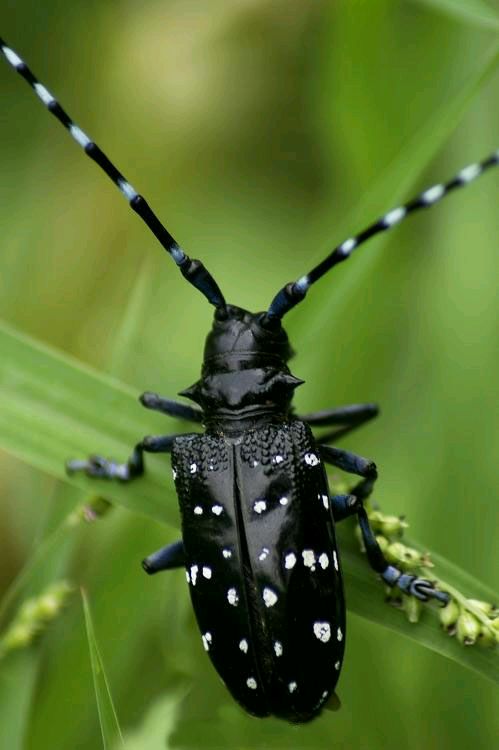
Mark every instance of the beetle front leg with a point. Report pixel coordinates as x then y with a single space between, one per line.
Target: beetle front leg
103 468
172 408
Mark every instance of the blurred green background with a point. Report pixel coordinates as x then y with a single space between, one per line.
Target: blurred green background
263 133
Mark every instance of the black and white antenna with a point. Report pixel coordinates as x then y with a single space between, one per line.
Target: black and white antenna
193 270
293 293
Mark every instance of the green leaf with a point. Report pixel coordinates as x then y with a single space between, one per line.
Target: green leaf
473 12
110 728
157 725
53 408
18 676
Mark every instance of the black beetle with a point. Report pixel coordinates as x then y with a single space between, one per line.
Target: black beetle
258 541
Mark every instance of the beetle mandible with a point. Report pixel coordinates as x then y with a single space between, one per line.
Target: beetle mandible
258 542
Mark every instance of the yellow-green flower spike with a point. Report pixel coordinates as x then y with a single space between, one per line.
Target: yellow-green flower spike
467 628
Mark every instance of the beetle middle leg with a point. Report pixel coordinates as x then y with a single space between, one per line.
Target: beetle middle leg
103 468
166 558
344 506
347 418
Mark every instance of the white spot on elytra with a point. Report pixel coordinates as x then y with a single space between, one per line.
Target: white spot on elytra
433 194
337 665
311 459
233 597
194 574
324 561
210 467
193 468
44 94
254 464
206 572
269 597
292 687
290 560
264 553
260 506
80 137
309 558
335 560
227 553
207 639
243 645
277 459
198 510
322 631
251 683
283 500
217 509
393 217
278 648
325 501
174 474
339 634
324 695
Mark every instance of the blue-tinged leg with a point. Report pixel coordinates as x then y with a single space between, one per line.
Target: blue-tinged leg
103 468
166 558
170 407
348 418
344 506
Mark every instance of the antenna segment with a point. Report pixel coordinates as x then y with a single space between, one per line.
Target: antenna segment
193 270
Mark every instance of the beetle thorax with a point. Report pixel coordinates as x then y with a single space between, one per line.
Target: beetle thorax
245 379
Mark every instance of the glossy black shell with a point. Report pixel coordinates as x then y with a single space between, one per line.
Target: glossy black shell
258 531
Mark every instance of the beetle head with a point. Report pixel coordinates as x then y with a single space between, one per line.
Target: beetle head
244 366
239 340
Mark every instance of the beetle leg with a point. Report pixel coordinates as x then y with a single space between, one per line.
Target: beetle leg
350 462
351 417
347 417
166 558
344 506
103 468
172 408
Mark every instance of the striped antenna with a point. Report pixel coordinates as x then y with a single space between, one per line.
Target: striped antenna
293 293
193 270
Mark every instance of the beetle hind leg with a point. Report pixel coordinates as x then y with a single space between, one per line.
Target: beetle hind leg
103 468
353 504
344 506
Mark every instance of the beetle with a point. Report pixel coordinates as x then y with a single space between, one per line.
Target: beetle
258 520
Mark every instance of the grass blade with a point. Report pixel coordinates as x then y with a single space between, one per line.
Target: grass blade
53 408
110 728
473 12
